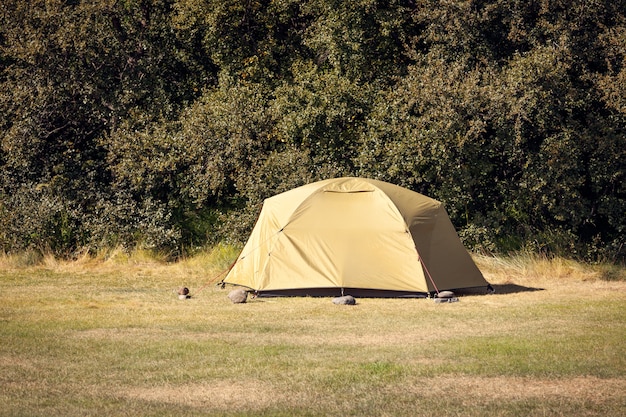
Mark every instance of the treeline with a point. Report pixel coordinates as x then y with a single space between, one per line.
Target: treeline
165 123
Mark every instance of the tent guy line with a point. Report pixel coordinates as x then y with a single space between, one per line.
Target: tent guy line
427 272
225 271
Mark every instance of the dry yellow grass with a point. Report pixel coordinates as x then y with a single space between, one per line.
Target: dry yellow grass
107 335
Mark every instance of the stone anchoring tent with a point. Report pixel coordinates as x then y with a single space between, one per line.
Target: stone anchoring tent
355 236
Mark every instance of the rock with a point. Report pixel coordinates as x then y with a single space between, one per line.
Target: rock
445 294
446 300
238 296
344 300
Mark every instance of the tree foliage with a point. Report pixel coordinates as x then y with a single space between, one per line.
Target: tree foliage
165 123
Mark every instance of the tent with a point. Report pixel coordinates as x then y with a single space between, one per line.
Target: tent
362 236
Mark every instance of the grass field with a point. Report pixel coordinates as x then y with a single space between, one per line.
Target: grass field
109 337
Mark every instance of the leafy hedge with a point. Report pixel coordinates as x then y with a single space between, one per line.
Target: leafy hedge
165 123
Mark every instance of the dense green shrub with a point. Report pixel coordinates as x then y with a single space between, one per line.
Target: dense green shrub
165 123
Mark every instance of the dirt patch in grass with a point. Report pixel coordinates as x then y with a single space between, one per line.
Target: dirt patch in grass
515 388
246 395
224 395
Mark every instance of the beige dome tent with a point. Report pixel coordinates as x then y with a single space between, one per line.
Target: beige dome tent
363 236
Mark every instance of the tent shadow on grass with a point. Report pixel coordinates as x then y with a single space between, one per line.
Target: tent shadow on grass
501 289
514 288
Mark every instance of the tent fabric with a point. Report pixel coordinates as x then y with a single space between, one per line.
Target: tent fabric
353 233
